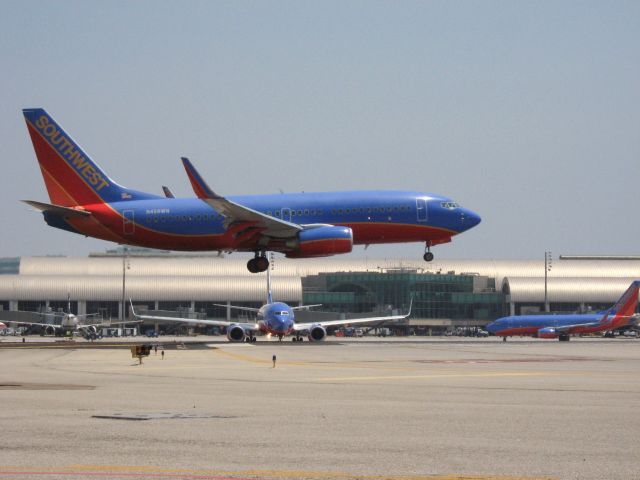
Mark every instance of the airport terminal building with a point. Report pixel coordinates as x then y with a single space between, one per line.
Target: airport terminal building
446 293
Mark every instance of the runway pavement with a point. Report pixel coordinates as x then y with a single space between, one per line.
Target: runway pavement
406 408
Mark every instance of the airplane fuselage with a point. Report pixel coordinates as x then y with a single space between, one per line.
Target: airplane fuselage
533 324
192 225
276 318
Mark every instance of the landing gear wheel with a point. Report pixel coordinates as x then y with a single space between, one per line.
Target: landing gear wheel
262 264
428 256
258 264
252 265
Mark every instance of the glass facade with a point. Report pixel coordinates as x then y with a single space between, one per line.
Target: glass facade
456 297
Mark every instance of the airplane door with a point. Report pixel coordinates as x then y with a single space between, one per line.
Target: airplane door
128 224
421 209
286 214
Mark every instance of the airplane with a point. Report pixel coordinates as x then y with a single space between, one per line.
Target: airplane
71 323
273 318
2 326
621 314
85 200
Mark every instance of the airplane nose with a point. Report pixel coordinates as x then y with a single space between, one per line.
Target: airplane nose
469 219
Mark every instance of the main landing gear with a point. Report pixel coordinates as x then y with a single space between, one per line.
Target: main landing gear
428 256
258 264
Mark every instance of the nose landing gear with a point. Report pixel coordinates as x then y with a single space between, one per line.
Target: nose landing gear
258 264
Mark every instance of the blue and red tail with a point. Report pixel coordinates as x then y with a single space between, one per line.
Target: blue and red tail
71 177
625 307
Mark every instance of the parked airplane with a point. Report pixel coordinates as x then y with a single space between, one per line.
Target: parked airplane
562 326
70 323
273 318
85 200
2 326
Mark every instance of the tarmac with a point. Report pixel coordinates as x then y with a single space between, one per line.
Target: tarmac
407 408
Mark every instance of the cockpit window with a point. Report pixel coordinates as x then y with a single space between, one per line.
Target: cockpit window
450 205
284 312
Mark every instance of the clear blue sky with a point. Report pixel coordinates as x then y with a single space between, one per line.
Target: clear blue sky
526 112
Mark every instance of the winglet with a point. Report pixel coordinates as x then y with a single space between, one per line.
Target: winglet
198 184
410 306
133 312
167 192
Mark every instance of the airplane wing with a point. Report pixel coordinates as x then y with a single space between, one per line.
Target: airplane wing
575 327
107 324
306 307
193 321
234 212
36 324
246 309
332 323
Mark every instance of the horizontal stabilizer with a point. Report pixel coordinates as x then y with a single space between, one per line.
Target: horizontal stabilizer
57 209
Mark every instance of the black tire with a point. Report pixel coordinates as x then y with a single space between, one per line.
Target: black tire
262 263
428 256
252 266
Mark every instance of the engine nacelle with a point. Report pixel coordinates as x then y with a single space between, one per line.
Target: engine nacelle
547 332
92 330
49 330
317 333
321 242
235 333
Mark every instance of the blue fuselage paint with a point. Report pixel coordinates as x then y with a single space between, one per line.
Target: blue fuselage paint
195 217
276 318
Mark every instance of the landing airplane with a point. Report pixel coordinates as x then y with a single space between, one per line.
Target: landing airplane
621 314
273 318
85 200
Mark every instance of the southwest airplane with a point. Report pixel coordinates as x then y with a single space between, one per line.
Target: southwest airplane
273 318
561 326
85 200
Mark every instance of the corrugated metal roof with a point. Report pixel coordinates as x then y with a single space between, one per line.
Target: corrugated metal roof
162 288
206 278
566 290
236 266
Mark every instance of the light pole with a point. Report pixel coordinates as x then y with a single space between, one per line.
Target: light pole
547 269
125 267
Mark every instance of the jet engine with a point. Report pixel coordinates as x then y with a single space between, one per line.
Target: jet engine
317 333
235 333
92 330
49 330
321 242
547 332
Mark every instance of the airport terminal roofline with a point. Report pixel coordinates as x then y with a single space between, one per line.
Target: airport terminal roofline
565 290
212 277
213 265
